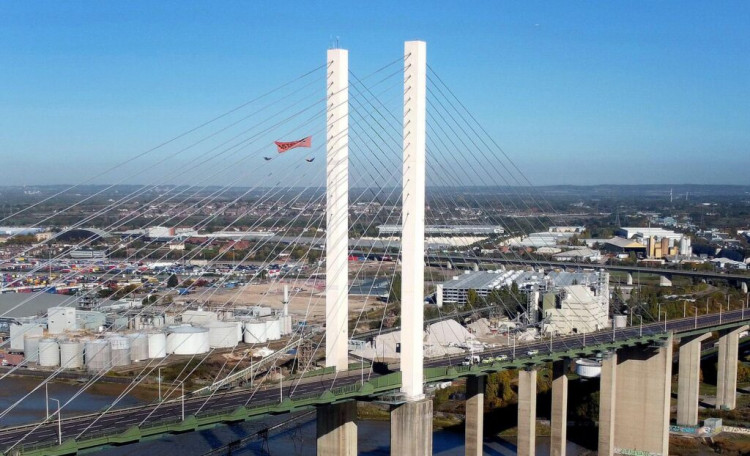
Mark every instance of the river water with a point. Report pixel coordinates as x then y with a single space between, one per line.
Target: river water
373 436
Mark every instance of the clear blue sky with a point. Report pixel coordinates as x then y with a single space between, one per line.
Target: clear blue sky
576 92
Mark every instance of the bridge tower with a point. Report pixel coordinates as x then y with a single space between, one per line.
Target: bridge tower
411 422
337 208
336 425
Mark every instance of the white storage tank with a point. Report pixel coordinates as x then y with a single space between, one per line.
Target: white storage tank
138 346
157 345
49 352
120 350
588 368
240 329
31 348
17 333
97 355
187 340
273 329
286 325
222 334
199 317
620 321
71 354
255 332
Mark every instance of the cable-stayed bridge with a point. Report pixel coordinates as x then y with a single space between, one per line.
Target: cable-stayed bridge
427 134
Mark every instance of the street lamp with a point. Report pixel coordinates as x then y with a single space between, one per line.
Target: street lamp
684 309
46 402
658 313
159 380
665 321
182 385
59 421
696 316
640 327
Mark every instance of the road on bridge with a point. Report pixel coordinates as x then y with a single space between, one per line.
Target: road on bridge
119 420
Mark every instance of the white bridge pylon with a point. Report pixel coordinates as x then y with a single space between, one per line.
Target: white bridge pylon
413 210
412 220
337 208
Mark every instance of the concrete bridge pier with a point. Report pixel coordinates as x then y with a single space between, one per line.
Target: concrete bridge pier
474 432
726 377
559 415
475 266
411 428
629 279
607 406
643 397
664 281
743 287
526 412
337 429
688 380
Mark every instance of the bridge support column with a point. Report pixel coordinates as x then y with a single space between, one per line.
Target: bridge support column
688 380
643 399
607 405
629 279
337 430
337 209
559 416
726 377
743 287
664 281
526 412
475 267
411 428
474 431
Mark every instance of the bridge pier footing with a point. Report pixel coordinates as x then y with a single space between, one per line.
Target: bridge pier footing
411 428
474 432
526 412
688 380
629 279
726 376
643 396
607 406
559 415
337 429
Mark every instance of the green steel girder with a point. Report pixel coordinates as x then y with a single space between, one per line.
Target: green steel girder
376 386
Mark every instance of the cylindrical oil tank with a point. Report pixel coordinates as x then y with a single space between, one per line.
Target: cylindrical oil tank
222 334
255 332
97 354
157 345
187 340
240 328
286 325
49 352
71 354
198 317
138 346
31 348
273 329
620 321
120 350
588 368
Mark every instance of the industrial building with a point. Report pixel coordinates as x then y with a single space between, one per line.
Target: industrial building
569 301
446 230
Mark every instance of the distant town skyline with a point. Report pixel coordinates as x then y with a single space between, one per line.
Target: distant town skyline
575 94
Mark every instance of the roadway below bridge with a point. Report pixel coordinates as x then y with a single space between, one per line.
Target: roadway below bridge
459 259
90 426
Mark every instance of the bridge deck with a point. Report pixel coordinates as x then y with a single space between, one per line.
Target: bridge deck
132 424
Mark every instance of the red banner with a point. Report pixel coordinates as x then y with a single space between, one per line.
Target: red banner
285 146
